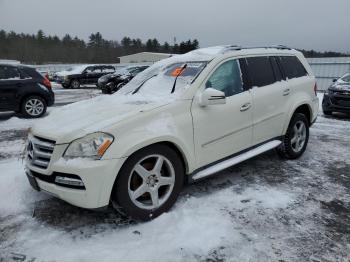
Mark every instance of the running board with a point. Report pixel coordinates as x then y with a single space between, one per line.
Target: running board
236 159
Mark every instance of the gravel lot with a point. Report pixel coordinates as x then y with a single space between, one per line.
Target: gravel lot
265 209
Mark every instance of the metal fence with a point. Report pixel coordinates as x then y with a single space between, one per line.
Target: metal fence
327 69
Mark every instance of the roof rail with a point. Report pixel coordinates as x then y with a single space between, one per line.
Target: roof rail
237 48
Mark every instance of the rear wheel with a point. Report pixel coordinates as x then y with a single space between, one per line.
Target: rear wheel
295 140
33 107
75 83
148 183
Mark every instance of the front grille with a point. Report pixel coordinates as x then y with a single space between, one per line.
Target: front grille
341 101
39 151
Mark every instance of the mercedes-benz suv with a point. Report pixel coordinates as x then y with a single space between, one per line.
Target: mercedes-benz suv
181 120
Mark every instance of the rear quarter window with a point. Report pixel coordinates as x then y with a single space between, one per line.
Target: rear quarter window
27 72
292 67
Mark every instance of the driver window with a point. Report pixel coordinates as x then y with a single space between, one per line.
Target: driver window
227 78
89 69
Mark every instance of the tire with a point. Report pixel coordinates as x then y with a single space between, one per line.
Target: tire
294 142
327 113
33 107
152 198
120 85
74 84
105 91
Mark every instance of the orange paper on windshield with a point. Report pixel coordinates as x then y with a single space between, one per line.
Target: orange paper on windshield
178 71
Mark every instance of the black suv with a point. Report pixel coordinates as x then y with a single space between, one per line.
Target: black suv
337 97
82 74
24 90
113 82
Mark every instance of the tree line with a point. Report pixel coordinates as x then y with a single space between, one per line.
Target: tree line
41 48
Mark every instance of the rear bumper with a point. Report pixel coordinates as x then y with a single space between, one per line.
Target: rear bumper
335 103
51 99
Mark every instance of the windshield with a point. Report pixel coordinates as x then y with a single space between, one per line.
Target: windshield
158 79
346 78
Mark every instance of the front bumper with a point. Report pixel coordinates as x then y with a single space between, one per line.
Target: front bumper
336 103
98 178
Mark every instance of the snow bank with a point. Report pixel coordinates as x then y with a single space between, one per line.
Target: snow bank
194 226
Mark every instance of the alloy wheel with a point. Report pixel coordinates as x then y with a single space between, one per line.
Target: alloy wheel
151 182
34 107
299 136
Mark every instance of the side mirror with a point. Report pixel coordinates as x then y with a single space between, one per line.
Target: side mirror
211 96
335 80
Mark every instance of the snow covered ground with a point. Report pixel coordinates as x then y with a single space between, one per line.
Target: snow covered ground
265 209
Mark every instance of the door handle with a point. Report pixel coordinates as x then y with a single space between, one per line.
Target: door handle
286 92
245 107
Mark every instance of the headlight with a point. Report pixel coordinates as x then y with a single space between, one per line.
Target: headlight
65 77
91 146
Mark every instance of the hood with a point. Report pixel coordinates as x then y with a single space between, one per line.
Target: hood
79 119
341 86
73 71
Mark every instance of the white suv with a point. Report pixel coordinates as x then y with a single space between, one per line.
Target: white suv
182 119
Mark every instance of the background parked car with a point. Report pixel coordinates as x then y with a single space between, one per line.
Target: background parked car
23 89
83 74
113 82
337 97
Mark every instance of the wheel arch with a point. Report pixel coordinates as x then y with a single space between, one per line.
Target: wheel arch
303 108
171 144
167 143
25 96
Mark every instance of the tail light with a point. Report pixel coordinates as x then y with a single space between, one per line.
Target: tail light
46 82
315 89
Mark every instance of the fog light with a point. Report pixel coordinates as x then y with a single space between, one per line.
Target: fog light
69 181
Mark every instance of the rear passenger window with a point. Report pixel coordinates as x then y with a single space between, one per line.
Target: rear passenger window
226 78
9 73
260 71
292 67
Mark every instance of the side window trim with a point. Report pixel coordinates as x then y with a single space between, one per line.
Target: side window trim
274 59
247 83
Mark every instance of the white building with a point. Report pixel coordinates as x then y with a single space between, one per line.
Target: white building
7 61
143 57
328 68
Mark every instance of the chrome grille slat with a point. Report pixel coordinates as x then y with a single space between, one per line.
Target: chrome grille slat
39 151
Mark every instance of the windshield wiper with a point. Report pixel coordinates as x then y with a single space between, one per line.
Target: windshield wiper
139 87
180 72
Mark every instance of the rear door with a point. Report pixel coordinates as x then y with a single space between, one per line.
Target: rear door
96 74
10 82
269 97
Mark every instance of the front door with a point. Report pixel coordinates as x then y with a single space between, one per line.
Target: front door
223 130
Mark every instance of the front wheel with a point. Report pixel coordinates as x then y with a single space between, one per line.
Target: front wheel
33 107
148 183
295 140
75 83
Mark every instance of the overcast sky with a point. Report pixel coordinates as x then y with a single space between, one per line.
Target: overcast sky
310 24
